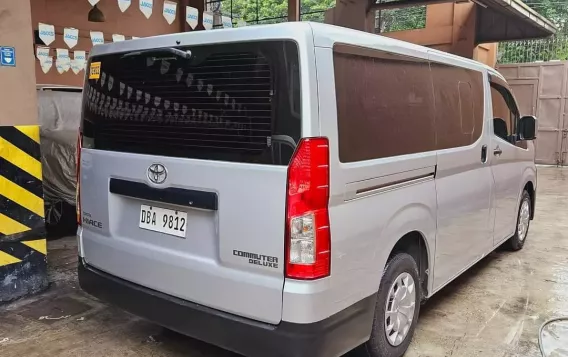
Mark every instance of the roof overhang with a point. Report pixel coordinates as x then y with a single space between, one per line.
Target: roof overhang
506 20
497 20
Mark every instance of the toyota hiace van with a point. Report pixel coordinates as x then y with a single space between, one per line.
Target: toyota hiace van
294 189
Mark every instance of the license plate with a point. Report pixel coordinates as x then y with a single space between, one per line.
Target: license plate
163 220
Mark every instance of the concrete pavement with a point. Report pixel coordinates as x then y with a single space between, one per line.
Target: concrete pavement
495 309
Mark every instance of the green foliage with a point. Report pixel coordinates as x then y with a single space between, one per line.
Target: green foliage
272 11
313 10
255 11
554 48
409 18
554 10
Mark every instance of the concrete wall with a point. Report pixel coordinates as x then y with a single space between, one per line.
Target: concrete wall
438 32
486 53
73 13
541 89
18 100
449 27
351 14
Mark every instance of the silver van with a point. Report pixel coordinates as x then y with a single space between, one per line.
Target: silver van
294 189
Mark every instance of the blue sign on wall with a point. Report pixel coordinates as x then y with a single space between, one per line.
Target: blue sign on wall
7 56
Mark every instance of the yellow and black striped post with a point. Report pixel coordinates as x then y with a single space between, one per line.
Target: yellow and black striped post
23 251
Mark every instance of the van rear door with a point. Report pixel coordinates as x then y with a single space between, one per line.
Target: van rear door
183 170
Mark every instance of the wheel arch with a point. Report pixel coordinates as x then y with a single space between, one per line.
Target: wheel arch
529 184
530 188
416 245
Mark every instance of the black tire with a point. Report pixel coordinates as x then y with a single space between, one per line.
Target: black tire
378 345
516 242
61 223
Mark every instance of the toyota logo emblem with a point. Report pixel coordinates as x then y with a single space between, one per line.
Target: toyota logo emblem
157 173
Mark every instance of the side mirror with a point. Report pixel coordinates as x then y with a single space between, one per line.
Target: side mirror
527 128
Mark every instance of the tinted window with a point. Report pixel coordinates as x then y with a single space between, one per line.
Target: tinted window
458 94
502 124
385 105
505 115
390 105
230 102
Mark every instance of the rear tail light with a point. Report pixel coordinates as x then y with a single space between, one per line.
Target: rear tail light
308 238
78 192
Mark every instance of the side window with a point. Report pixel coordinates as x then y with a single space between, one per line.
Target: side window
385 105
458 93
505 113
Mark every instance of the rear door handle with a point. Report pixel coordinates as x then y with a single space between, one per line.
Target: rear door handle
497 151
484 154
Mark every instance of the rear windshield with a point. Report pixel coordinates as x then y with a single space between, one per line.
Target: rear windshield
232 102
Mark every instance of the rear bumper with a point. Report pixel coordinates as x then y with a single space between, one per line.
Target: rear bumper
330 337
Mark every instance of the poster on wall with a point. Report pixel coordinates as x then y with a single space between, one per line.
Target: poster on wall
42 53
59 67
70 36
76 67
124 4
63 59
117 37
46 64
191 16
80 58
208 20
46 33
227 21
146 7
170 9
97 38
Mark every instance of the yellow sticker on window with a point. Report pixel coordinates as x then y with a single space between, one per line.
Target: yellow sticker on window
95 70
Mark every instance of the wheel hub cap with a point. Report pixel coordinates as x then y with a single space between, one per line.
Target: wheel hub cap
399 309
524 218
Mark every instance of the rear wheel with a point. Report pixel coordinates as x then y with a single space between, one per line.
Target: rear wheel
397 308
517 241
60 219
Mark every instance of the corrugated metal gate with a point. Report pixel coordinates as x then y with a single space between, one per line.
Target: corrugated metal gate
541 89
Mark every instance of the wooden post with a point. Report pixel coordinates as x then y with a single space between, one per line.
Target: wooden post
293 10
183 26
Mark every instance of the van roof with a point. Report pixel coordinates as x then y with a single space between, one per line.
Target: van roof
324 35
300 32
